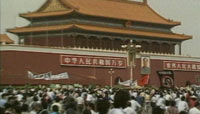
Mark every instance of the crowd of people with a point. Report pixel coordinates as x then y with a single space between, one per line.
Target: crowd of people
86 100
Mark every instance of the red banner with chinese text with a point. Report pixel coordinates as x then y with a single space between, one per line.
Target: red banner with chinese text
181 65
93 61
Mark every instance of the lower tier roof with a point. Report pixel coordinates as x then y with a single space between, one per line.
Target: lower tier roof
124 31
6 39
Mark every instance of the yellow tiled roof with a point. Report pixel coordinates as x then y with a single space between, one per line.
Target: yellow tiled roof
118 9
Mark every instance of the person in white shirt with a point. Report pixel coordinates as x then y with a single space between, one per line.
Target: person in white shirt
50 93
80 103
89 98
129 109
196 109
168 97
3 100
160 105
182 105
161 102
19 96
134 104
177 99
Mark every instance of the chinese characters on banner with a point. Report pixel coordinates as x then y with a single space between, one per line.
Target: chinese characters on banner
179 65
93 61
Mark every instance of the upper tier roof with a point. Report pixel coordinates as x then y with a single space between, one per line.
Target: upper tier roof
116 9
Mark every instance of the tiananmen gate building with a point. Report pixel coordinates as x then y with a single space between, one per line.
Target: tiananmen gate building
79 41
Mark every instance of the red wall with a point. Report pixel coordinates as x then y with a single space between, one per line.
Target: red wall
15 64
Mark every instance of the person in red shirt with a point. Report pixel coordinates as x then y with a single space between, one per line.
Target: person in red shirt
192 101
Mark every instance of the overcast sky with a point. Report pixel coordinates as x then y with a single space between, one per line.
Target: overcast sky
185 11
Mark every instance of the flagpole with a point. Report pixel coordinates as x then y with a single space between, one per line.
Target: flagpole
131 71
111 71
131 49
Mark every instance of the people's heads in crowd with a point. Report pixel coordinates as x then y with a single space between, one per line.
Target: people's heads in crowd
121 98
133 97
44 104
183 112
193 97
91 106
55 108
3 96
167 103
25 108
172 103
102 97
183 98
35 98
102 106
70 103
10 111
11 100
37 107
57 99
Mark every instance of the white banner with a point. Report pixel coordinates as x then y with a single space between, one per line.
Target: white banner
128 83
59 76
48 76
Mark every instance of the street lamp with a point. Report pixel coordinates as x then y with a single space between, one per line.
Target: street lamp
111 71
132 49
